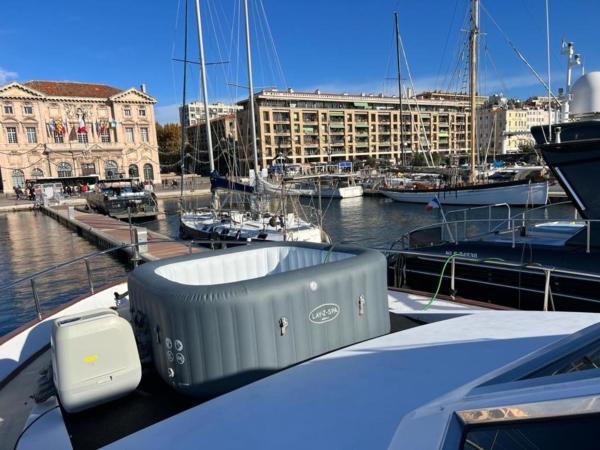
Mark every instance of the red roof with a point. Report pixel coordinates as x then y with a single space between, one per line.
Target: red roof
72 89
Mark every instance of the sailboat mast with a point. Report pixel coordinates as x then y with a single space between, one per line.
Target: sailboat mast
250 89
211 160
399 74
182 150
473 81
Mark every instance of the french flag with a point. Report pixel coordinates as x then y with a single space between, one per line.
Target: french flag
434 203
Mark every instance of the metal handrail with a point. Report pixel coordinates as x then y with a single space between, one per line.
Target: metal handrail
86 259
538 269
511 226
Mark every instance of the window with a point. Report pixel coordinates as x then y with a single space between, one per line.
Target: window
105 136
8 109
11 135
111 169
64 169
37 173
59 138
133 170
18 178
88 169
82 137
129 135
142 112
127 111
148 172
28 110
580 432
144 133
31 135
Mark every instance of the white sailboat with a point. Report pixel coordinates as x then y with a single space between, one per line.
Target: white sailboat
215 223
517 193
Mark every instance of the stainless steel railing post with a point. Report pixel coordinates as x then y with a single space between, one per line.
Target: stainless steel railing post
514 239
89 274
489 218
546 288
36 299
589 235
465 224
452 279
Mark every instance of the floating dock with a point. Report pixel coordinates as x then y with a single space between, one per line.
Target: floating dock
107 232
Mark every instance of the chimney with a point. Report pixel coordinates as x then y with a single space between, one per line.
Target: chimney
143 87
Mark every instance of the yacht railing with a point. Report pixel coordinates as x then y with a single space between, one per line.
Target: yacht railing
135 258
449 231
536 269
450 228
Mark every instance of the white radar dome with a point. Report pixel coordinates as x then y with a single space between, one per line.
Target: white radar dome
585 94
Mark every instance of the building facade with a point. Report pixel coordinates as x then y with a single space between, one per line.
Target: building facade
225 140
318 127
60 129
193 113
504 126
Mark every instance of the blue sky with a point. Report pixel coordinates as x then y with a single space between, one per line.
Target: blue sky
334 45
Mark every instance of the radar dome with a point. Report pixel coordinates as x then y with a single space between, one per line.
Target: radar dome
585 94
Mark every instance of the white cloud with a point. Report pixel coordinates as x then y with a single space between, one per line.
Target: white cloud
6 75
167 113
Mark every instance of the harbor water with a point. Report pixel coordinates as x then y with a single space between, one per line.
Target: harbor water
31 241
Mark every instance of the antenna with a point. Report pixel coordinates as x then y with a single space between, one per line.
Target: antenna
573 59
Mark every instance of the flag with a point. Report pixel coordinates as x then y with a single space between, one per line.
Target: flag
81 128
434 203
65 124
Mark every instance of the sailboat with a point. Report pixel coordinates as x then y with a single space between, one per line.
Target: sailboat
215 223
515 193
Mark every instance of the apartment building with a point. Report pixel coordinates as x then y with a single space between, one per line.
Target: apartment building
311 127
504 126
193 113
61 129
225 140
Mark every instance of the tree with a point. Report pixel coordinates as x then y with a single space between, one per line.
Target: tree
168 137
418 159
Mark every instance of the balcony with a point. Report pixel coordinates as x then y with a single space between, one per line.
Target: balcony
312 151
281 117
311 118
384 129
310 130
310 140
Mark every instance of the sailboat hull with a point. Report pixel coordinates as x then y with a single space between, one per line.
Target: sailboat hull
513 193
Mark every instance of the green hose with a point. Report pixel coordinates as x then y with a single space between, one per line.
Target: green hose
437 291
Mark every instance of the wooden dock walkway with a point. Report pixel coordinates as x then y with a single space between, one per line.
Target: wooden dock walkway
107 232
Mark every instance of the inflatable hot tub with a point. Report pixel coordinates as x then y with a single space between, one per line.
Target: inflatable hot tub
215 321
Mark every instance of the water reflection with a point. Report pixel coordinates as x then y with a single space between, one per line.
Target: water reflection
30 242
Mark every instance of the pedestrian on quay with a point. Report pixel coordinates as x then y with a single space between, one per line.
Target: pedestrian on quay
17 190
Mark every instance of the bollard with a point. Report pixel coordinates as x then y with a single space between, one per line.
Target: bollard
71 212
140 237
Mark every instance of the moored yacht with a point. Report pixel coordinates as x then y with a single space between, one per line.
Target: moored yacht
547 263
123 198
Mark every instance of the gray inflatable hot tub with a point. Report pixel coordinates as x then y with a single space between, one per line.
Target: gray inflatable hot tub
215 321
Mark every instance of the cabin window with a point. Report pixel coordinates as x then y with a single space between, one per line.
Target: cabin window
580 432
586 358
18 178
64 169
134 171
110 169
148 172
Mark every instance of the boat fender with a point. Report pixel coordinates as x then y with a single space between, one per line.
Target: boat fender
273 221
